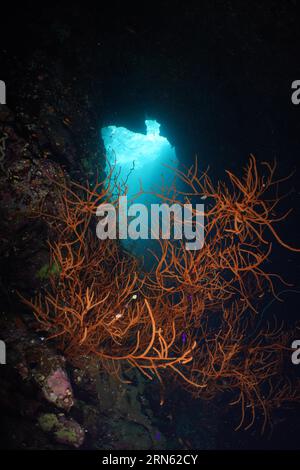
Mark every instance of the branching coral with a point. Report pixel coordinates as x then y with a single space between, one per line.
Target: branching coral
193 314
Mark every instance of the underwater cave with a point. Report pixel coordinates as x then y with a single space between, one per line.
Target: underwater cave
132 344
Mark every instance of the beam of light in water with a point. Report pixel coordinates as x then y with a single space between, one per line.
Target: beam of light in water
140 157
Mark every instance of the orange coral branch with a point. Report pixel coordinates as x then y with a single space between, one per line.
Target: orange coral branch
192 315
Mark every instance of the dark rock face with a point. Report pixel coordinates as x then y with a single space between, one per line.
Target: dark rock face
57 405
34 380
27 184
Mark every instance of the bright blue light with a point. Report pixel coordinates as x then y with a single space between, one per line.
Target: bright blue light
140 158
152 127
129 149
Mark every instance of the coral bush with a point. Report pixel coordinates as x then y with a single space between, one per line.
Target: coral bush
194 314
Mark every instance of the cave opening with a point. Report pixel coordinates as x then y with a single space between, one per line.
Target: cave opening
140 160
